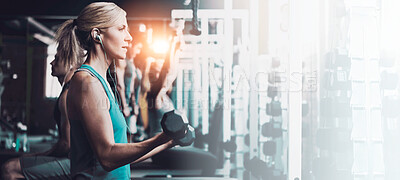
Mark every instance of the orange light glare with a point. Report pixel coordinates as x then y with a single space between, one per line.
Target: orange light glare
160 46
142 28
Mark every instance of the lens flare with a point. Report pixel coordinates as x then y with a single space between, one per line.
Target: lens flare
160 46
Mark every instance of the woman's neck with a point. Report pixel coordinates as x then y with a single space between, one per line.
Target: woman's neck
98 61
61 79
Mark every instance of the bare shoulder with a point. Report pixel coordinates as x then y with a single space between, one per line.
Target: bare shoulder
85 86
86 94
84 81
69 75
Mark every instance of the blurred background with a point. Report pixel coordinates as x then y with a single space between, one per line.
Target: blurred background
276 89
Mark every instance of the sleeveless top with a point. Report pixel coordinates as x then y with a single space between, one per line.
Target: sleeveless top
83 159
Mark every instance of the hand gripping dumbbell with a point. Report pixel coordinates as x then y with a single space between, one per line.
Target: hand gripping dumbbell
177 127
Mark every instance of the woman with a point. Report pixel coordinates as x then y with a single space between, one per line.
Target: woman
99 148
53 163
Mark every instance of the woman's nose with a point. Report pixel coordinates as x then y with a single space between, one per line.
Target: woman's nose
129 37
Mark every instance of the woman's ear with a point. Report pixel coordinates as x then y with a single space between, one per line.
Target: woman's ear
95 34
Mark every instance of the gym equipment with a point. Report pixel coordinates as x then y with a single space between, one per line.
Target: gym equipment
269 148
195 20
247 139
335 107
275 63
337 80
246 157
189 138
200 139
258 168
229 146
334 139
390 107
176 126
271 129
327 168
272 91
335 60
246 175
386 60
274 78
305 108
274 108
324 168
185 158
389 80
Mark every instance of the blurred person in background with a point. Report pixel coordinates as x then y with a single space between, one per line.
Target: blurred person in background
53 163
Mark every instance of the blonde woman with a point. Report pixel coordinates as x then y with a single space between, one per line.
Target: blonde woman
99 148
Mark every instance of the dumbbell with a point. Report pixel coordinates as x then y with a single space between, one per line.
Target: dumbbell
189 137
274 108
258 168
272 129
229 146
175 125
269 148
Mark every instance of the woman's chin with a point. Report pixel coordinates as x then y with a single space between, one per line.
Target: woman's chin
120 57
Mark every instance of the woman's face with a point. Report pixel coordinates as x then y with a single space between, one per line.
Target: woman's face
58 67
116 39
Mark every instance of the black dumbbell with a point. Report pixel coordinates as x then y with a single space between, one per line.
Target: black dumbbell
274 108
189 137
269 148
174 125
229 146
258 168
272 129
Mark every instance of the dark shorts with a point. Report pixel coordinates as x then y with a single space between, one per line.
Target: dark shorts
45 167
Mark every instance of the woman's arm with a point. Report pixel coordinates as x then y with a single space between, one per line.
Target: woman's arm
156 150
88 102
168 67
61 148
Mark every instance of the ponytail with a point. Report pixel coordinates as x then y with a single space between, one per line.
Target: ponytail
68 45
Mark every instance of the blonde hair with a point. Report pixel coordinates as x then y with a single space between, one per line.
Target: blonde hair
74 35
68 49
96 15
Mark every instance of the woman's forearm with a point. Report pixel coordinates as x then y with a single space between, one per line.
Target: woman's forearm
155 151
121 154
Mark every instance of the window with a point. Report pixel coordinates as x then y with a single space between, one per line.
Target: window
52 86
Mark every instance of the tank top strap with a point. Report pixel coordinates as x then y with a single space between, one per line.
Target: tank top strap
93 73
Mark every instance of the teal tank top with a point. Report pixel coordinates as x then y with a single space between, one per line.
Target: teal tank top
83 159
